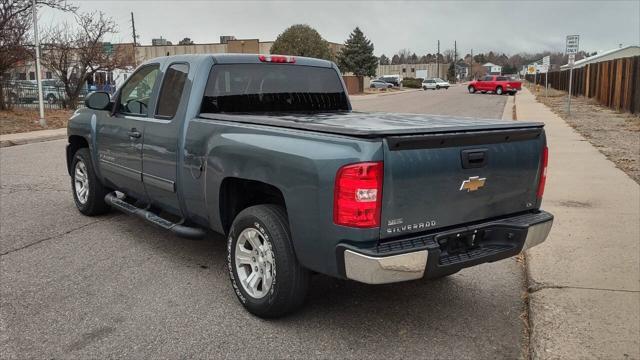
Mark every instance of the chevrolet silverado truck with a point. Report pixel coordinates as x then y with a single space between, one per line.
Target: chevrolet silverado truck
266 150
495 83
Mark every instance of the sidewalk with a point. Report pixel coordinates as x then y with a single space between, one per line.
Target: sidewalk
32 136
584 281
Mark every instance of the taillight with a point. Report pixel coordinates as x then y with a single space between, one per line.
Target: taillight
277 58
543 172
358 195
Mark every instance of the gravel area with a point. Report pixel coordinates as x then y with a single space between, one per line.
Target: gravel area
23 120
616 135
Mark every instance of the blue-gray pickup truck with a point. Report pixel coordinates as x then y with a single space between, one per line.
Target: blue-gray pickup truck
266 150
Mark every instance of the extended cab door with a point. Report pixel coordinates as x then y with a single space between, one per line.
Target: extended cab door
161 138
121 135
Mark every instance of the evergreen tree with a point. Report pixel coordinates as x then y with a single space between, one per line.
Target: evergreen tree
357 55
383 60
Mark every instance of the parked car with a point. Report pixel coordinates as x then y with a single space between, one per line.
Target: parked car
495 83
26 91
395 80
435 84
377 83
266 150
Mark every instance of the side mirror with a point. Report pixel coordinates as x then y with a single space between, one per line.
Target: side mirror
98 100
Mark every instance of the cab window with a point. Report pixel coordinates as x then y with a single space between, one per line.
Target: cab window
487 78
171 91
136 93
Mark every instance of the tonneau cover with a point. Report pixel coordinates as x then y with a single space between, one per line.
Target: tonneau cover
371 124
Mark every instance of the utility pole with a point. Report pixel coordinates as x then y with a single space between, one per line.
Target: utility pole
438 60
43 122
135 39
471 70
455 59
133 27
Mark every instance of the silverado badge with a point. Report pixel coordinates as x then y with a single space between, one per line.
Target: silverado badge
472 184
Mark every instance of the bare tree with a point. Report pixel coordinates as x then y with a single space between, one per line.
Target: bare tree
75 52
15 23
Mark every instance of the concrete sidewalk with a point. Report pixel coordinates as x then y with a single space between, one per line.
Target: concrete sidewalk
32 136
584 281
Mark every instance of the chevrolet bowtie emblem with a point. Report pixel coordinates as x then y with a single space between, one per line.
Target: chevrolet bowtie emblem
473 183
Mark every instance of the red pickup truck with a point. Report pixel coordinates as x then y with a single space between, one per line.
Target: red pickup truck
496 83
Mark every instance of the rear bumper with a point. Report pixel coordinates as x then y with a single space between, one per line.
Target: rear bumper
444 252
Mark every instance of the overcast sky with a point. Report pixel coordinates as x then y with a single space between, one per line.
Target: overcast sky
506 26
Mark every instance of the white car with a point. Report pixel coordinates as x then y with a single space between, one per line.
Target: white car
435 84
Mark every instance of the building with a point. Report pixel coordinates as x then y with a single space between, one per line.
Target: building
492 69
160 42
227 44
618 53
412 70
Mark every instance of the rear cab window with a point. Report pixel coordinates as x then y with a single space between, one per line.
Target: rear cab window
502 78
233 88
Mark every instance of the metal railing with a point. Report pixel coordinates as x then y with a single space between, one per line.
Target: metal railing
24 94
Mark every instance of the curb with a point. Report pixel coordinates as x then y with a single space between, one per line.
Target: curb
29 138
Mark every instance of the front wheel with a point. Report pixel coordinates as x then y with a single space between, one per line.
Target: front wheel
88 192
264 271
437 87
499 90
471 89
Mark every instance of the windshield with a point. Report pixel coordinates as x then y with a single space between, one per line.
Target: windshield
273 88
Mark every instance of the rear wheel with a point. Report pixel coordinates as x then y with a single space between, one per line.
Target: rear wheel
51 99
260 243
499 90
471 89
88 192
437 87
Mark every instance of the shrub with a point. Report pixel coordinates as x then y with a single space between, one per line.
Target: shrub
412 83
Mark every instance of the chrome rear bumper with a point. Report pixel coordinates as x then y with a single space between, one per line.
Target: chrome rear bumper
425 256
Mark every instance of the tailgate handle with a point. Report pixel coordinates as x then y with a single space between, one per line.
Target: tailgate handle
474 158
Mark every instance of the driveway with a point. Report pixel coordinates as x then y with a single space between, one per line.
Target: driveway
114 286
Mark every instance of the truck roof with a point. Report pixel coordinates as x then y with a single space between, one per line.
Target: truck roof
230 58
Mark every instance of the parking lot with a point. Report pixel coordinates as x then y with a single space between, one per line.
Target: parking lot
74 286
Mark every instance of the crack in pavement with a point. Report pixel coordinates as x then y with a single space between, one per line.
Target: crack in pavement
541 286
55 236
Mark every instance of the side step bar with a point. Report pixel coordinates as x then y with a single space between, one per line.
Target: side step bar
178 229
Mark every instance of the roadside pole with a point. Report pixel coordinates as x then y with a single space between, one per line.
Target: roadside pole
570 80
43 122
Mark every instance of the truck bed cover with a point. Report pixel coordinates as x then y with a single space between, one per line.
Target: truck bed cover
372 124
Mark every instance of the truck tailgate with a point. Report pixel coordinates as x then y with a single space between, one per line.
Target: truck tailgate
439 180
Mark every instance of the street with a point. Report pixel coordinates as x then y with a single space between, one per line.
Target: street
454 101
74 286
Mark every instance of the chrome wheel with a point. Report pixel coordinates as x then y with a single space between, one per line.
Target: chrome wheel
81 182
254 263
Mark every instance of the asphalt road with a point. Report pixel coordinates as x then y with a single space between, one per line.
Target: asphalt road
456 102
114 286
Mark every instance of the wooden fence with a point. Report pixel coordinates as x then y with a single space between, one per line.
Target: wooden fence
613 83
354 84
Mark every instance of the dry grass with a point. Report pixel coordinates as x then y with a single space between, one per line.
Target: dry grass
616 135
23 120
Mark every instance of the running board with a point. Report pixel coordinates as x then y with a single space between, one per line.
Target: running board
178 229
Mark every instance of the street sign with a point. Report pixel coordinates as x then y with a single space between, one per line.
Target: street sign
542 69
546 61
572 44
531 70
572 59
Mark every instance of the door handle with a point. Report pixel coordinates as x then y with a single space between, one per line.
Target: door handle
474 158
134 134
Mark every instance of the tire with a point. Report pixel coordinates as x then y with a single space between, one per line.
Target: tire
287 289
471 89
51 99
93 202
389 86
424 88
437 87
499 90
